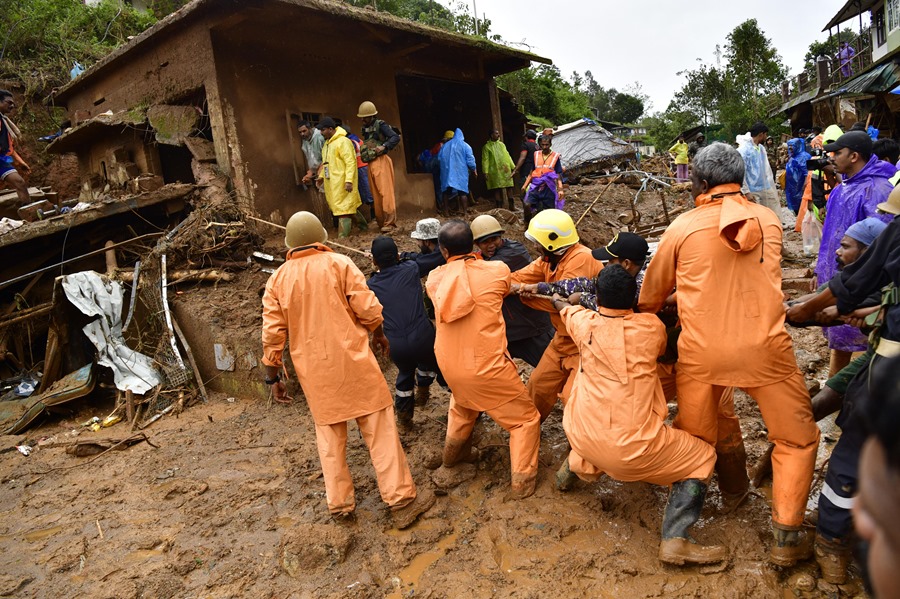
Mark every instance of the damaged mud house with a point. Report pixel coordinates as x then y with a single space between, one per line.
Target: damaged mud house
179 135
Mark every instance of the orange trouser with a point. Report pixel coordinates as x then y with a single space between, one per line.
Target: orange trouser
552 378
707 411
391 469
674 455
381 183
519 418
666 374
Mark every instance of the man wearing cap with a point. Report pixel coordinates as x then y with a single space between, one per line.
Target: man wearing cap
821 178
339 177
528 331
724 256
429 255
614 419
497 166
398 287
379 138
562 257
758 177
320 302
865 183
471 350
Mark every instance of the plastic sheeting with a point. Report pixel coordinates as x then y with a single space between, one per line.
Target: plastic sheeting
97 296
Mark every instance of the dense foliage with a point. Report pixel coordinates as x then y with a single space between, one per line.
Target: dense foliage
42 39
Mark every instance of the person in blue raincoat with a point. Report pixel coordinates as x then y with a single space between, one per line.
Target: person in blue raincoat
795 173
456 159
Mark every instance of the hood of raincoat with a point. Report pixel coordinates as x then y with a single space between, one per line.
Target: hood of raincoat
738 228
456 160
873 168
338 132
798 149
743 140
454 291
831 133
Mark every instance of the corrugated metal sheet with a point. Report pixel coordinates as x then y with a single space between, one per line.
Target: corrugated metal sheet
586 146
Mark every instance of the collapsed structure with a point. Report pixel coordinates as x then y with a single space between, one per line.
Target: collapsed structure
182 134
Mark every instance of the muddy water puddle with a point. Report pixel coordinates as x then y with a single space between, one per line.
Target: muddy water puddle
34 535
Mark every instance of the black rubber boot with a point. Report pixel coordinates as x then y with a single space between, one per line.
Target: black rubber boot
682 511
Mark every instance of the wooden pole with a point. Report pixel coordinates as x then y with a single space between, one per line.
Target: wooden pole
328 241
600 195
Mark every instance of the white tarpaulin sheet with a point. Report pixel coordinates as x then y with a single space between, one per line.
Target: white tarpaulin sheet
97 296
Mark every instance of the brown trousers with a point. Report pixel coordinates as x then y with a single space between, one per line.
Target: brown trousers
381 183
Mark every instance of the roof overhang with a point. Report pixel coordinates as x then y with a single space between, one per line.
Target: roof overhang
796 101
497 58
882 78
850 10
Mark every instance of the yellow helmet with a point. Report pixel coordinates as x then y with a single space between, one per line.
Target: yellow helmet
303 228
366 109
553 229
485 226
448 134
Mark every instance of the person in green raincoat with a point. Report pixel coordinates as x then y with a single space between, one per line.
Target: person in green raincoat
497 166
338 176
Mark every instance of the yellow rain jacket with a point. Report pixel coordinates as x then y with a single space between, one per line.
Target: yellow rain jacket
339 167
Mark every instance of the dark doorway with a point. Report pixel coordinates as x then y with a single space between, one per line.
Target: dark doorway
176 164
428 107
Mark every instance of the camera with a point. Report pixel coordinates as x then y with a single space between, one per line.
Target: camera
818 160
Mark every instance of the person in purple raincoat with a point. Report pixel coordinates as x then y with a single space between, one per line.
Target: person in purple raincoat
865 183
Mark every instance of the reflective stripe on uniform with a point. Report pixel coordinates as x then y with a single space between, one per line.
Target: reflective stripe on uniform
832 496
425 373
887 348
400 393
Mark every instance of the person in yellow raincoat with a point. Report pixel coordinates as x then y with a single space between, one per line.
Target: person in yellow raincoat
319 301
497 166
470 347
339 176
614 419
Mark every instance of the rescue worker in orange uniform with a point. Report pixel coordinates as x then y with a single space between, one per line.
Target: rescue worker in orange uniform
725 258
471 351
319 300
614 419
562 257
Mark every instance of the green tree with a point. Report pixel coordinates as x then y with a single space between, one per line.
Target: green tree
753 74
664 127
703 90
546 96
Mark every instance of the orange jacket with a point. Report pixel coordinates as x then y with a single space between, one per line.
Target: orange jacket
725 258
320 301
470 345
577 262
616 411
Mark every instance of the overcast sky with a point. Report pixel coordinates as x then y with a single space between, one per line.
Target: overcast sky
651 40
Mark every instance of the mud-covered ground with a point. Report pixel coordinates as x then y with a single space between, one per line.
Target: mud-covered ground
231 503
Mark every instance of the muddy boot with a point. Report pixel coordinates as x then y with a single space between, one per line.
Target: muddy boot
682 511
405 421
731 471
791 545
403 517
833 558
522 486
345 225
361 220
565 478
423 394
344 518
448 477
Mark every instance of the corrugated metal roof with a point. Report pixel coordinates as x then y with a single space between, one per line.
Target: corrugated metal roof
584 144
850 10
